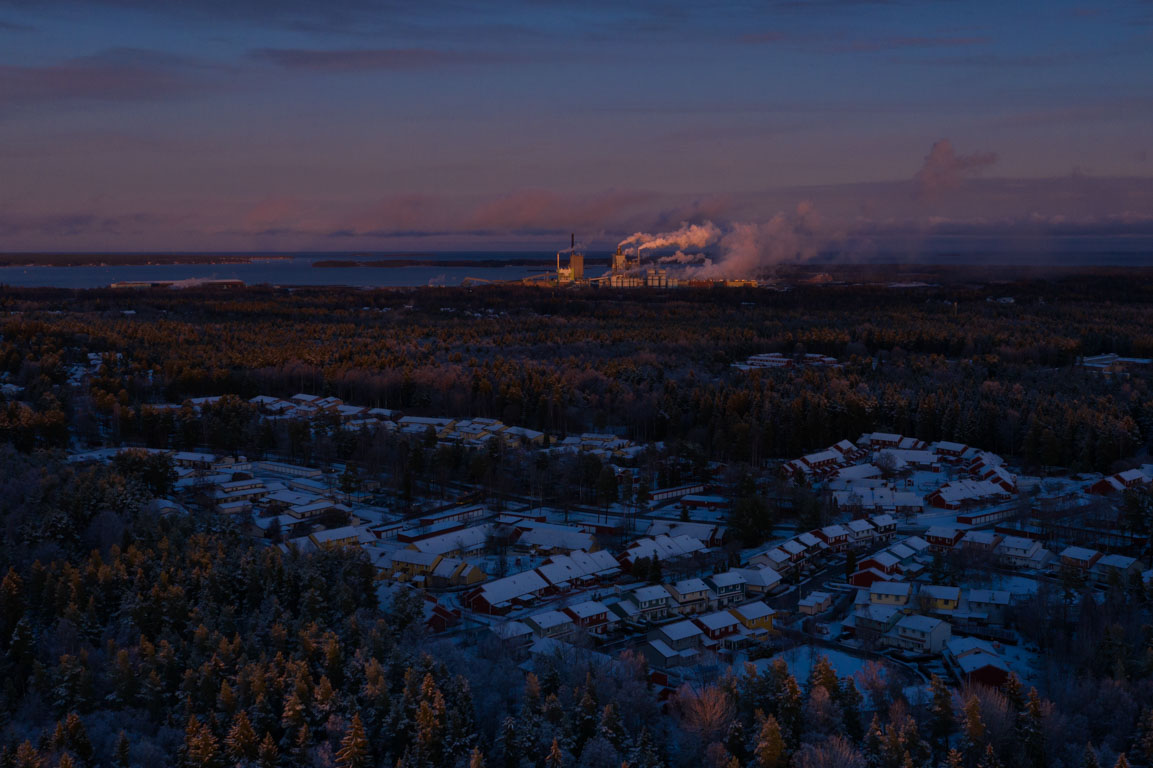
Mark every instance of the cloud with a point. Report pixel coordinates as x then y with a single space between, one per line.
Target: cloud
544 211
115 75
943 169
364 60
915 42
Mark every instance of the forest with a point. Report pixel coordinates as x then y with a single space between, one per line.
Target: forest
130 637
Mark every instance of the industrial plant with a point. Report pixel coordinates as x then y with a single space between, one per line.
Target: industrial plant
625 271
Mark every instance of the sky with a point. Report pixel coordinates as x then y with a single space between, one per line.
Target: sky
345 125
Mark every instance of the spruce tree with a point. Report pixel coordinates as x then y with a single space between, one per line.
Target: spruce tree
353 752
1090 758
770 749
555 758
268 754
942 719
241 740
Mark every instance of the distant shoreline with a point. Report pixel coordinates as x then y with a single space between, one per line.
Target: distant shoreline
395 263
128 259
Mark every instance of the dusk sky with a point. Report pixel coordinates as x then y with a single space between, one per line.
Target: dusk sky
439 124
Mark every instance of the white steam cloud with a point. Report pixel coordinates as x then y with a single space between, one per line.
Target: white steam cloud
741 249
688 236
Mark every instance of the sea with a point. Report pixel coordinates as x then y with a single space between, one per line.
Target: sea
293 270
299 270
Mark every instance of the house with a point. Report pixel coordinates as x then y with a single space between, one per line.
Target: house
591 616
728 587
460 543
885 527
814 603
681 635
835 536
860 533
932 597
661 548
1120 567
718 627
691 595
990 604
502 595
866 577
408 565
652 602
1019 552
755 615
549 538
452 572
981 541
759 580
699 501
942 539
775 558
551 624
514 634
872 621
1079 558
891 593
1130 478
661 655
920 634
975 661
884 561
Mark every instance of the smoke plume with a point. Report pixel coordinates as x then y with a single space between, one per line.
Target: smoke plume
943 169
688 236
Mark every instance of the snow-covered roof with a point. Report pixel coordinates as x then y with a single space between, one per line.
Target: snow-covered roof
680 630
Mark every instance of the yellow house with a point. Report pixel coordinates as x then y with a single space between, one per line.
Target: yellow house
890 593
451 572
936 598
409 565
755 615
336 537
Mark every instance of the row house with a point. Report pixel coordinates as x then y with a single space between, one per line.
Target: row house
898 593
942 539
759 580
1079 558
502 595
554 624
591 616
920 634
755 616
836 537
860 533
690 595
814 603
728 588
719 627
1121 567
1130 478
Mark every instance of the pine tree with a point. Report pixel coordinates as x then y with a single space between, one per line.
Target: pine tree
1122 761
476 759
989 759
1033 731
294 716
610 727
353 752
954 759
790 711
1090 759
850 700
824 675
770 749
27 756
644 754
201 749
555 758
510 740
268 754
1014 692
241 740
122 755
943 720
301 743
874 746
974 726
